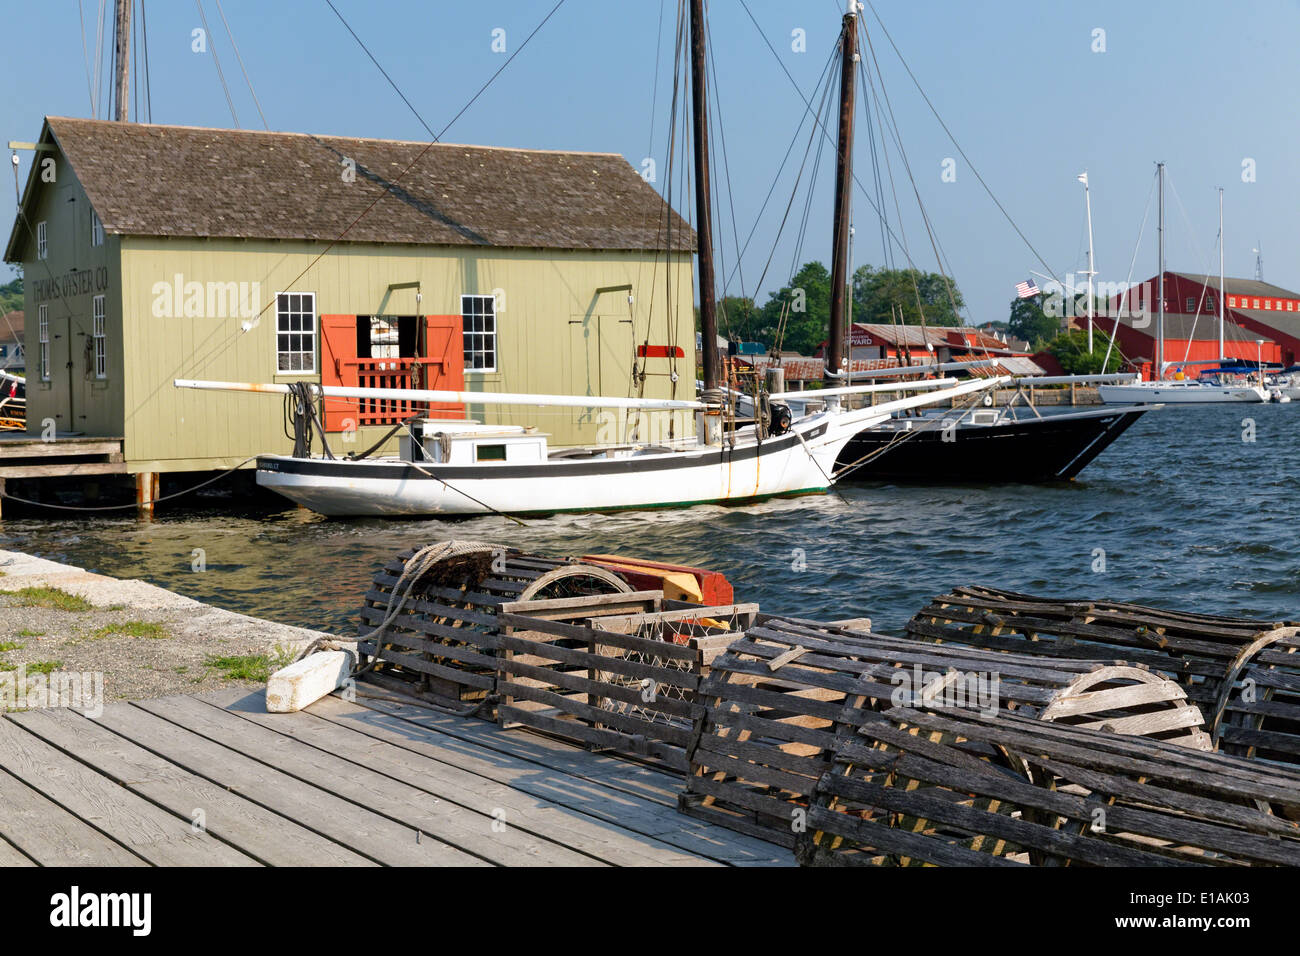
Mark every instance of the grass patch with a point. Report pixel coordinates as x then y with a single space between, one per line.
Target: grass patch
6 646
252 667
44 667
48 597
25 632
130 629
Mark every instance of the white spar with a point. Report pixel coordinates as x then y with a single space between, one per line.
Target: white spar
447 397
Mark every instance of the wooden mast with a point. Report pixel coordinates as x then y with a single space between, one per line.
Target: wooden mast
703 209
835 363
121 60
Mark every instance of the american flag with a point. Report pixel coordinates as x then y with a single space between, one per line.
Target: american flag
1026 289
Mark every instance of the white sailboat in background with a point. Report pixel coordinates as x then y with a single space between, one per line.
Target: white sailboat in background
1182 391
458 468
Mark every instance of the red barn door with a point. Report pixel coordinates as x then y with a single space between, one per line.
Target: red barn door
439 364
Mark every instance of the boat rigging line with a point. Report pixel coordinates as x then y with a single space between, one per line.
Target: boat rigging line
242 69
956 144
907 167
85 56
300 420
177 494
214 347
825 133
144 62
1128 282
217 62
379 66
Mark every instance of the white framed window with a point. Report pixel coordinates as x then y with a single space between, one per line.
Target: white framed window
43 327
97 333
1191 304
478 314
295 332
96 229
42 245
1211 304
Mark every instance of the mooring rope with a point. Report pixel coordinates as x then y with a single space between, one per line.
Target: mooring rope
417 565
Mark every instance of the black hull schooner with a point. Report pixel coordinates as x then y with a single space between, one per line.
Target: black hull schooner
984 446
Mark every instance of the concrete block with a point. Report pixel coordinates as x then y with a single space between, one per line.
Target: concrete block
306 681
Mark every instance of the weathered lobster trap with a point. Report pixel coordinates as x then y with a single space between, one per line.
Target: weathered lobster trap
1244 674
781 699
588 670
429 626
947 786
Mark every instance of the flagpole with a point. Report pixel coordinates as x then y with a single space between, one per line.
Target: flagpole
1087 198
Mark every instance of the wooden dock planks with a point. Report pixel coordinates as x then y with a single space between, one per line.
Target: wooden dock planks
638 800
43 833
339 784
279 840
385 751
127 819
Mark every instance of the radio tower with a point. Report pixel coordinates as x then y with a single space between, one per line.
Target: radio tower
1259 261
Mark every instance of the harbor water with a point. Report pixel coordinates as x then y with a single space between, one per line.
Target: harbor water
1193 508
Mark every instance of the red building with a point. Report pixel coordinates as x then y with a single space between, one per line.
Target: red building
912 344
1255 310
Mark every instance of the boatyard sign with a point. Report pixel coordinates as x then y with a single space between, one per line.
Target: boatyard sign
74 283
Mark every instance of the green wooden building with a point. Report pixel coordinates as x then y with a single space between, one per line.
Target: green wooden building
152 253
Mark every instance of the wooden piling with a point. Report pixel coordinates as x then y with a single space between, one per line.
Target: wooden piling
146 492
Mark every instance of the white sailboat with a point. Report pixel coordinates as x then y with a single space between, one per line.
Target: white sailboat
466 468
1181 391
459 468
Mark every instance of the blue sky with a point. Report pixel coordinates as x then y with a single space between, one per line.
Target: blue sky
1203 86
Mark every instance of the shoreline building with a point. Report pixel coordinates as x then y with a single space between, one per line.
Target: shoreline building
1254 310
152 253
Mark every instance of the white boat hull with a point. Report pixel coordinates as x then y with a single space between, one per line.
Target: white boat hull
780 466
1175 393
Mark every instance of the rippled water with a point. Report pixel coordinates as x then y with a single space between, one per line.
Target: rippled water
1186 513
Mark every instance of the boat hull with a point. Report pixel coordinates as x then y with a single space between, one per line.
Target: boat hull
778 467
1174 394
1053 448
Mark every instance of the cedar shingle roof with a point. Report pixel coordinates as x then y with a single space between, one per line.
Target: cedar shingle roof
151 180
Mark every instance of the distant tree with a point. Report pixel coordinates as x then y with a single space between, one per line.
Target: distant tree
1070 349
11 295
1028 321
876 290
739 319
806 303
